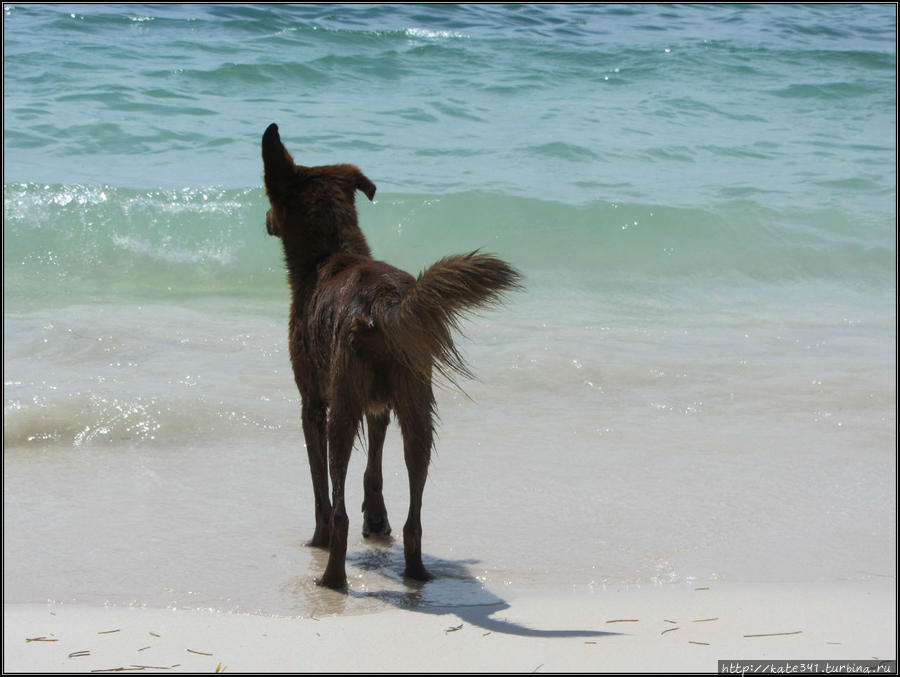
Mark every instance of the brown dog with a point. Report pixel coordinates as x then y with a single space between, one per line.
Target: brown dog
364 337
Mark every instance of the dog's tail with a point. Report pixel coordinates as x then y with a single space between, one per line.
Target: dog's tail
418 328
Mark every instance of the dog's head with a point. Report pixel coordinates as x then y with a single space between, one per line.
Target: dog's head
314 205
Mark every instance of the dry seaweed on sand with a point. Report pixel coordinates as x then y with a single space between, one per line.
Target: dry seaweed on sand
775 634
122 669
152 667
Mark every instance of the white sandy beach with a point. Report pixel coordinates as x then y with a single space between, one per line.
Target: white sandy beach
650 628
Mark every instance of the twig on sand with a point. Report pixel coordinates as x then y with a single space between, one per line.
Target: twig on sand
40 639
138 667
201 653
705 620
700 643
775 634
152 667
669 630
624 620
115 669
453 629
108 632
79 654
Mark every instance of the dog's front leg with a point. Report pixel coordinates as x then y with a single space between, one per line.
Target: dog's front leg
314 416
342 426
375 521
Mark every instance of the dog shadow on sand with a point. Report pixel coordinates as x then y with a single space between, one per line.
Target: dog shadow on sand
454 589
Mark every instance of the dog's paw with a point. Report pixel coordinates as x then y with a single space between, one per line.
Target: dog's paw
333 582
417 572
320 539
376 526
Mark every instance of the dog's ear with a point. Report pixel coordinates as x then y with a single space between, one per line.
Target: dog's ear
366 186
278 164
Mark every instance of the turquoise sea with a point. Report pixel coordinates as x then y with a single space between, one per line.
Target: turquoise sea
698 382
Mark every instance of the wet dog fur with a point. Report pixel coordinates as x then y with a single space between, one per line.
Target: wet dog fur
364 339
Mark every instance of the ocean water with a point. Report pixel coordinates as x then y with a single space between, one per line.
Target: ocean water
697 384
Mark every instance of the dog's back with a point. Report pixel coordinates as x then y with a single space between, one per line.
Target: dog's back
364 339
342 329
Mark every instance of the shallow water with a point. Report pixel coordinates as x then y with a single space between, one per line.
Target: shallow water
698 383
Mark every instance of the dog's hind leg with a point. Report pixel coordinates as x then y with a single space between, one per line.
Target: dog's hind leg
415 417
314 416
342 425
375 521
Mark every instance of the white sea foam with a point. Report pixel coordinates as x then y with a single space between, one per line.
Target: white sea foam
585 455
432 34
